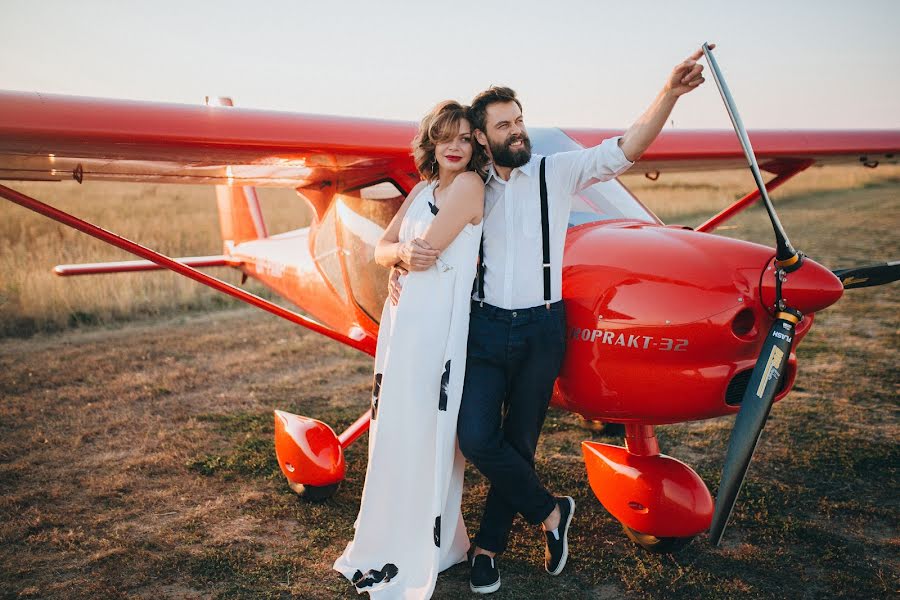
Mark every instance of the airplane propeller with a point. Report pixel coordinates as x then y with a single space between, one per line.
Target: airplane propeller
767 374
765 381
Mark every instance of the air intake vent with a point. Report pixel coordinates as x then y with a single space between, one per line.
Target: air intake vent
735 392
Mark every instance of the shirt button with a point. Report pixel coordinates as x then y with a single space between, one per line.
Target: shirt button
515 313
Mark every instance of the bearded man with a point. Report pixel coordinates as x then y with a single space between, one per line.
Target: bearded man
517 324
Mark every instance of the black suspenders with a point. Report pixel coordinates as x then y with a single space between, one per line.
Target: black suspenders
545 242
545 233
479 281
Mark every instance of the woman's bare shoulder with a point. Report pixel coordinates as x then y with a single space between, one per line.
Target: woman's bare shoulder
467 195
470 180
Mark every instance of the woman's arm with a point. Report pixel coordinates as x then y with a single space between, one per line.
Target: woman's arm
410 255
463 204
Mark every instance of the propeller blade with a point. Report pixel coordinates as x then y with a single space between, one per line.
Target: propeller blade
869 275
748 425
784 251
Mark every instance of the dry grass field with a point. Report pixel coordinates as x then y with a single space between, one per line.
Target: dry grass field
177 220
136 456
691 198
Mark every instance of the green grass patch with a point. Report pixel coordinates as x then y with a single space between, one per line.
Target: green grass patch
251 452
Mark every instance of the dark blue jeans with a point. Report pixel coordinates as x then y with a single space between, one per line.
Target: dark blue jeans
513 359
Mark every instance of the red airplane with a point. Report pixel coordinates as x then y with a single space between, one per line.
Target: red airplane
666 324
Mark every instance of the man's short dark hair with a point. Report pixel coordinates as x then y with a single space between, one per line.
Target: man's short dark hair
492 95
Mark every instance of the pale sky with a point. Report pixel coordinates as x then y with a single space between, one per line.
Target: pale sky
789 63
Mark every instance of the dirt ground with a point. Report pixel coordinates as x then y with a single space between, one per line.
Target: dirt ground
137 461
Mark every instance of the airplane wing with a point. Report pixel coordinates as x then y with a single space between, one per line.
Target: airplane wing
52 137
776 151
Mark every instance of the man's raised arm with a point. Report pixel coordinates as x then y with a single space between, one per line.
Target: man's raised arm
685 77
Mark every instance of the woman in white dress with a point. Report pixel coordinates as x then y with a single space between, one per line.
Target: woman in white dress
410 526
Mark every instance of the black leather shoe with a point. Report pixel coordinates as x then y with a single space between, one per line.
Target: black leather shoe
485 576
557 550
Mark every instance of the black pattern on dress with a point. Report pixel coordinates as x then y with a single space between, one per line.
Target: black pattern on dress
437 531
376 392
434 209
371 577
445 381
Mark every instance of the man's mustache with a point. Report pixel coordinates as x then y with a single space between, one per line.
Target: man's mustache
516 138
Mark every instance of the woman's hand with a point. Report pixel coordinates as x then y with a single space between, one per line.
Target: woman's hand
418 254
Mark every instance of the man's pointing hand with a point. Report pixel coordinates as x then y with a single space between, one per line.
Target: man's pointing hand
688 75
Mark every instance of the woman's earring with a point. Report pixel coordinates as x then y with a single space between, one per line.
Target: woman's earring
433 167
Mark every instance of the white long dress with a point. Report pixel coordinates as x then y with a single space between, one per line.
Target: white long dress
410 526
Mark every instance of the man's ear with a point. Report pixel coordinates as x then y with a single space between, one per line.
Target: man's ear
481 138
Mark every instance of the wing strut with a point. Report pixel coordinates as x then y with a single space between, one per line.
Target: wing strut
739 205
365 344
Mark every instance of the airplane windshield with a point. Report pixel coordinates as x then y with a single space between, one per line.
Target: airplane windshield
602 201
605 201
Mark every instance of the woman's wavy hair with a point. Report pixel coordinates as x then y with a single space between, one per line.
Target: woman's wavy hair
439 125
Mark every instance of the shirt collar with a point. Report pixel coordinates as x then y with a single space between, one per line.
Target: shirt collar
528 168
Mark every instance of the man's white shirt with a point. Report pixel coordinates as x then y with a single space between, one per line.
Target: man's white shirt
513 255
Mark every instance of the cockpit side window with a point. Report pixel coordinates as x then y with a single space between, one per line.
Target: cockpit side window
327 253
363 215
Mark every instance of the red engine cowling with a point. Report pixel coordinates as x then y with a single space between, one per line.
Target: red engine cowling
664 323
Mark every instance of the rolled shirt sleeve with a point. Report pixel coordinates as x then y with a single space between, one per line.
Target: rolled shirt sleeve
578 169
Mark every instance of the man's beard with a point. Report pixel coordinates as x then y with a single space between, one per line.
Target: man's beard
505 157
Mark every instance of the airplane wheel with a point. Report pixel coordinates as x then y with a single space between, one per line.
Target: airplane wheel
601 426
315 493
657 545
